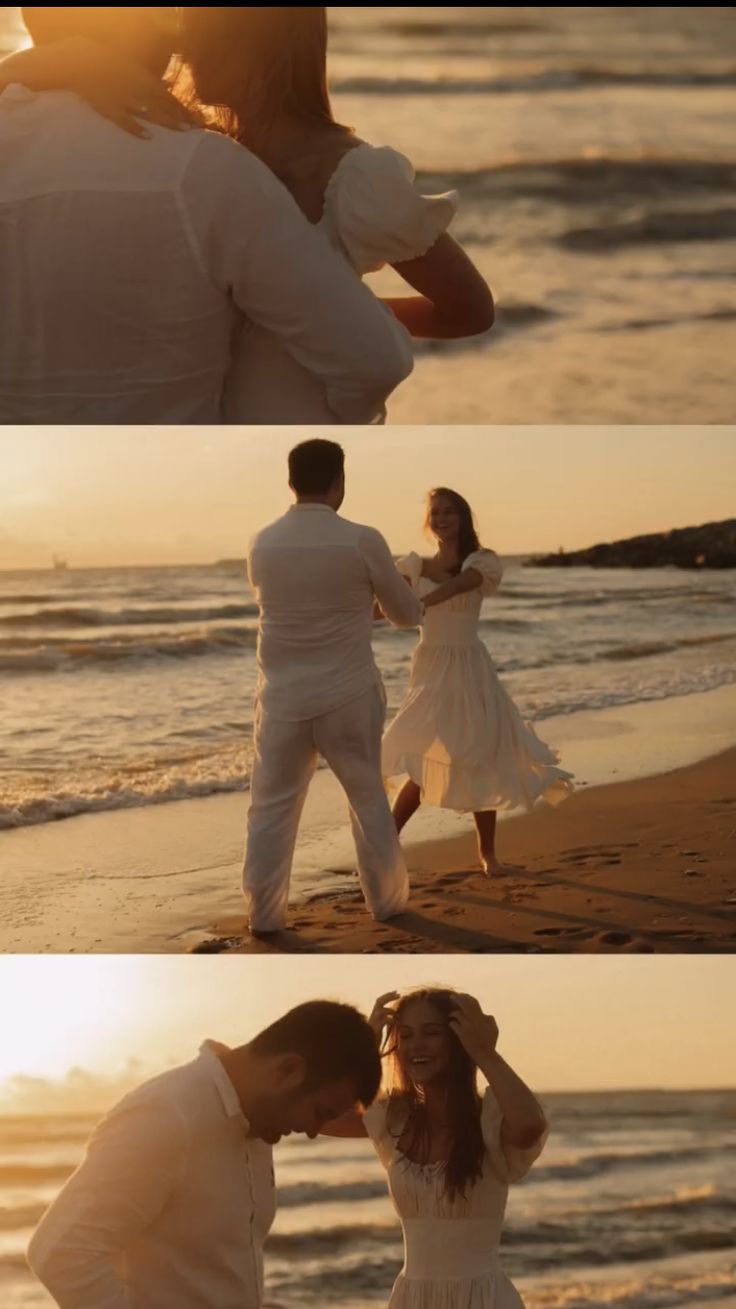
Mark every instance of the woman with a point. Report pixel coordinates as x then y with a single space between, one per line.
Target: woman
448 1151
260 75
458 734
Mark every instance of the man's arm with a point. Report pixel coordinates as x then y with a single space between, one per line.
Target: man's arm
131 1167
282 274
397 600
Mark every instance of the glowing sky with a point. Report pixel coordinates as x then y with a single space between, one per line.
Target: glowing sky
568 1022
164 495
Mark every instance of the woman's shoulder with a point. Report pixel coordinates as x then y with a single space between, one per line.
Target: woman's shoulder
354 165
417 569
379 214
487 563
483 559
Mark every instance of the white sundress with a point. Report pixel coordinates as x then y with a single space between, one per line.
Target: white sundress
451 1247
373 215
458 733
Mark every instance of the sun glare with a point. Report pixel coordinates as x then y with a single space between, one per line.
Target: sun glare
54 1019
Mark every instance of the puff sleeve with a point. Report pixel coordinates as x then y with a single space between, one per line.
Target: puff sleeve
488 564
410 567
510 1163
379 215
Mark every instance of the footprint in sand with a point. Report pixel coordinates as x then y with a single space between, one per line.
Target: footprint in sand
399 945
615 938
450 879
217 945
580 933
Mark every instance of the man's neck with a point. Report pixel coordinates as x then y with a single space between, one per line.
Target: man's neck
314 500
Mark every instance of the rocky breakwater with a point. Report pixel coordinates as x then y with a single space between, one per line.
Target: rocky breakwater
713 545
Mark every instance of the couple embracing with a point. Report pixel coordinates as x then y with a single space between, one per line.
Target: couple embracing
184 226
172 1205
458 740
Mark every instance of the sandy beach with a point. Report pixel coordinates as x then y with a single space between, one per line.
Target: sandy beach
642 857
637 866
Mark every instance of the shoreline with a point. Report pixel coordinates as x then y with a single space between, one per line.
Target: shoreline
656 797
671 889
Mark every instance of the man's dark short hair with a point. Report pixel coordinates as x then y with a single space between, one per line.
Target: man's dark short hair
315 466
334 1040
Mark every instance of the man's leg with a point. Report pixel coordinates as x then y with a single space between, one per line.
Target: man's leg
284 761
349 739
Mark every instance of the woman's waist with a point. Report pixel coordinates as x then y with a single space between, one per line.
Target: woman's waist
450 1248
453 635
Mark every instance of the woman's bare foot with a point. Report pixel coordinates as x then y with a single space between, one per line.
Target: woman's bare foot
492 867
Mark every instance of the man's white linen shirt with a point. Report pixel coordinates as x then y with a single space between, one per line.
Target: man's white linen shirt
316 576
126 266
170 1207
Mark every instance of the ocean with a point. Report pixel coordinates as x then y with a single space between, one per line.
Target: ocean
123 687
593 151
632 1205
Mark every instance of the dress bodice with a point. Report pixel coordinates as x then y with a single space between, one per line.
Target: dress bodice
467 1246
453 623
450 1237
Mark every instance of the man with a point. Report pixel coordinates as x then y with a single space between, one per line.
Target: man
175 1197
316 578
126 263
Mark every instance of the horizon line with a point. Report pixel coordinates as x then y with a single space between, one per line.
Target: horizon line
611 1090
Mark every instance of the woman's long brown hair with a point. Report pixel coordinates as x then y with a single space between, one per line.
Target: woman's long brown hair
254 64
467 1150
467 540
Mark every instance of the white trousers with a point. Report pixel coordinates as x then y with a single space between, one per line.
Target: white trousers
349 740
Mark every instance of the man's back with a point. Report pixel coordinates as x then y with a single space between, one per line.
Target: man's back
106 301
316 575
123 263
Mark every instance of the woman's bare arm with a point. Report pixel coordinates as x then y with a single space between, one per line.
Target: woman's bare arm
524 1121
454 299
467 580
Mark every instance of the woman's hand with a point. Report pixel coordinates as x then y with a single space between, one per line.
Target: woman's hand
382 1015
118 89
477 1032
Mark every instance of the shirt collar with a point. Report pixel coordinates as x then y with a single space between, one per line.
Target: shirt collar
208 1054
310 508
